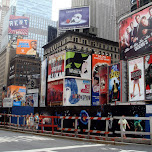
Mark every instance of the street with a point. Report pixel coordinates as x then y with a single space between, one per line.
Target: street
20 142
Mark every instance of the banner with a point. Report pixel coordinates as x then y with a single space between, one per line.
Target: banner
97 62
74 18
17 93
55 93
78 65
148 76
26 47
77 92
114 83
135 34
56 66
103 79
32 100
136 80
43 83
18 25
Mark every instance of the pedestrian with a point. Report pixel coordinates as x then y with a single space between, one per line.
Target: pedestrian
31 121
36 120
27 121
124 123
137 124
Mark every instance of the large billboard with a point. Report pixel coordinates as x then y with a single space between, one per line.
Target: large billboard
18 25
136 79
56 66
31 100
135 36
17 93
97 62
43 83
74 18
78 65
148 76
114 83
26 47
55 93
77 92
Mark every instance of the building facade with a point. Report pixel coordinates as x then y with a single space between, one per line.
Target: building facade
104 15
71 40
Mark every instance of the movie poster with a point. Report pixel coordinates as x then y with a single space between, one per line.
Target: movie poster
148 76
103 79
78 65
97 62
77 92
55 93
114 83
136 80
43 83
17 94
56 66
135 34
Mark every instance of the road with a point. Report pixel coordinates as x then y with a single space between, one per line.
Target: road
20 142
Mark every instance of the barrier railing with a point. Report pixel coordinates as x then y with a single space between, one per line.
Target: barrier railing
52 127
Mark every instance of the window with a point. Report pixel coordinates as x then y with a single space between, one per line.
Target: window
104 46
115 56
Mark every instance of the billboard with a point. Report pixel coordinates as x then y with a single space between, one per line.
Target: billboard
97 62
55 93
103 83
31 100
135 36
136 79
26 47
78 65
114 83
7 102
77 92
74 18
18 25
17 93
56 66
43 83
148 76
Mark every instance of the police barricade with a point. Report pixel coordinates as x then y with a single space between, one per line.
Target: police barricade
76 132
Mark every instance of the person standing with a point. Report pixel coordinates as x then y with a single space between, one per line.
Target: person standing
31 121
124 124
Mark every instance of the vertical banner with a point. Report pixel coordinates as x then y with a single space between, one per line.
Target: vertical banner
78 65
136 80
103 79
123 82
55 93
114 83
56 66
43 83
148 76
77 92
97 62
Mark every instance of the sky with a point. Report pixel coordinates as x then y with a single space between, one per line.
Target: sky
59 4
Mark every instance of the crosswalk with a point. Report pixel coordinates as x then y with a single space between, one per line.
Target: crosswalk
6 139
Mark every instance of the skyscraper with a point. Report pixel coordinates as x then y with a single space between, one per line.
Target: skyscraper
104 15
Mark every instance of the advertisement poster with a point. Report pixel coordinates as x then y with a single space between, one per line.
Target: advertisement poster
43 83
114 83
135 34
18 25
17 93
77 92
136 80
78 65
103 79
74 18
97 62
26 47
56 66
148 76
31 100
55 93
7 102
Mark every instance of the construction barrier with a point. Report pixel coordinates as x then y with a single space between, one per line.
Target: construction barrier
76 132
